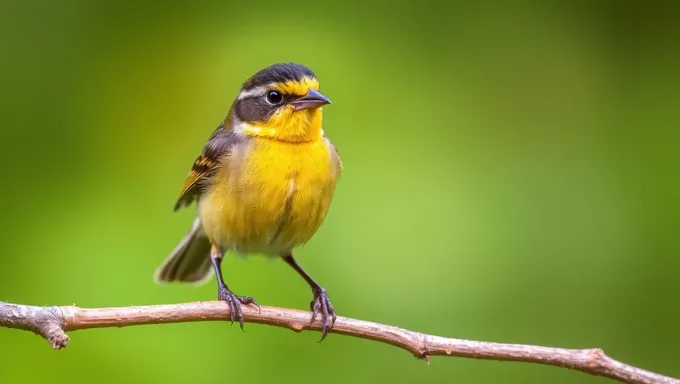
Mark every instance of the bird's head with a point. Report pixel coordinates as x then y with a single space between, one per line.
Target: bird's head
280 102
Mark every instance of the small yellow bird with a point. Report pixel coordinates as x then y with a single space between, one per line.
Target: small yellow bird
263 184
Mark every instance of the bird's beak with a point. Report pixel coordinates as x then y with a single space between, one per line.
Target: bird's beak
313 99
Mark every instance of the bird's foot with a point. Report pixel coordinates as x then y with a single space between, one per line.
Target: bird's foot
234 301
321 304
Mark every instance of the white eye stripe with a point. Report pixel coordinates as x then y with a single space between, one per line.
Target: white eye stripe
255 92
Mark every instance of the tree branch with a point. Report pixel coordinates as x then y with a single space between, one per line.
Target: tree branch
52 323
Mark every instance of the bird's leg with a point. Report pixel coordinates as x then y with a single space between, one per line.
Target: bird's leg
224 293
321 303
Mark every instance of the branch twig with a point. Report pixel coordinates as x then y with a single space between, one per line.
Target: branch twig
52 322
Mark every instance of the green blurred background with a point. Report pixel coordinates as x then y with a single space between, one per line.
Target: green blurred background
511 174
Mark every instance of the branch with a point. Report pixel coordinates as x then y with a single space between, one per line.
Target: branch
52 322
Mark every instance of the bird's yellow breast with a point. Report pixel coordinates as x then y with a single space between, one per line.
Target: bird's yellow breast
270 196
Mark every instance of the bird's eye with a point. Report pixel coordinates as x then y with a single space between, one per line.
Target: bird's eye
274 97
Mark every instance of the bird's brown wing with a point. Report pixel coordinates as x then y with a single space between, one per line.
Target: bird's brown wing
218 146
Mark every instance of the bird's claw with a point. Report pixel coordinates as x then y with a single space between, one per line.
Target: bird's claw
321 304
234 302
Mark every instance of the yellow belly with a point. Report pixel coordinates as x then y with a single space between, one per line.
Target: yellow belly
269 196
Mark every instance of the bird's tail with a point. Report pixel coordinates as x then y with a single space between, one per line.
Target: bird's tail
189 262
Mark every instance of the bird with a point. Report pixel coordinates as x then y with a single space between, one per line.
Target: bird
263 184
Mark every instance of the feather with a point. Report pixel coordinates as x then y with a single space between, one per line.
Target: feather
218 147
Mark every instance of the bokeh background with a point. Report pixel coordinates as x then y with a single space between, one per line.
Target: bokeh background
511 174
